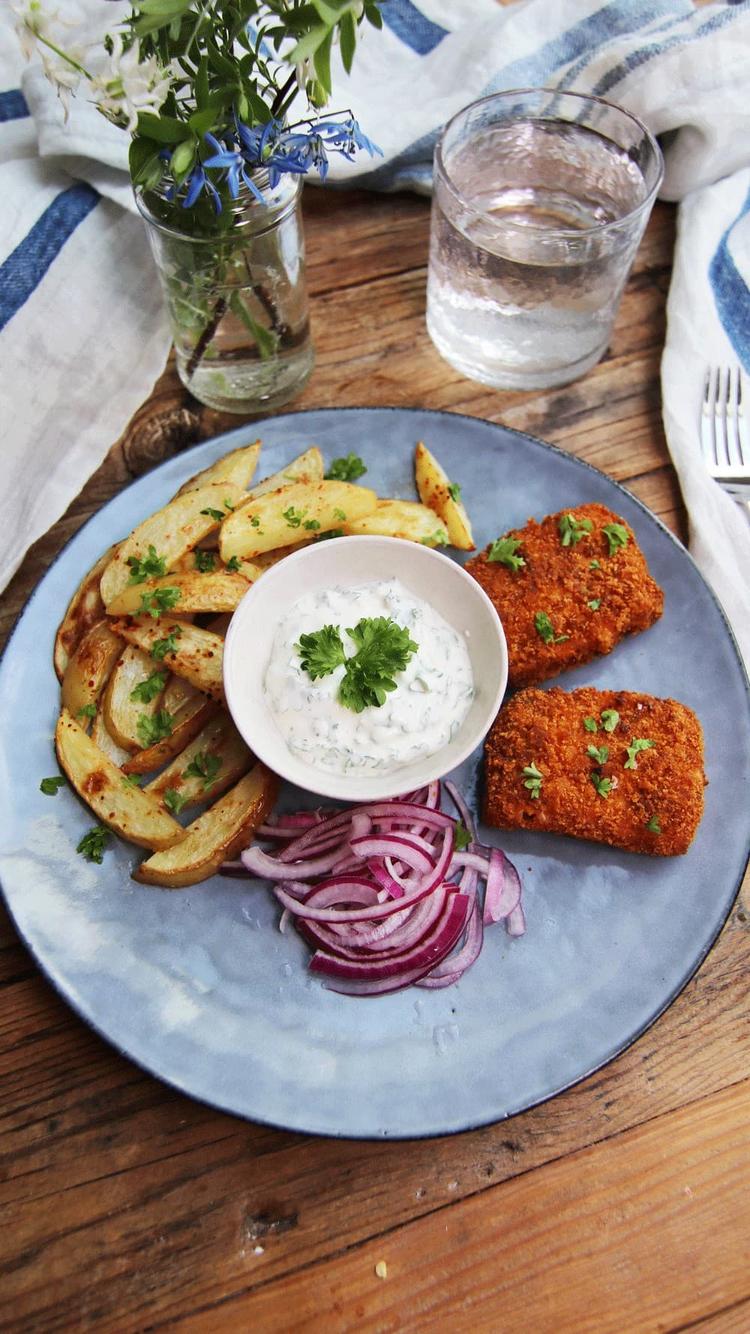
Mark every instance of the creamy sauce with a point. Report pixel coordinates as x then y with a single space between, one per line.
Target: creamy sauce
432 697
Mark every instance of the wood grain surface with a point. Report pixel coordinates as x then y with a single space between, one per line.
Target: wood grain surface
621 1205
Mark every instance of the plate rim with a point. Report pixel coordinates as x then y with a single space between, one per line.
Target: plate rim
216 1104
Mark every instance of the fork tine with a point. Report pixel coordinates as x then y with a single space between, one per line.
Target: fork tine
743 444
708 428
731 404
722 416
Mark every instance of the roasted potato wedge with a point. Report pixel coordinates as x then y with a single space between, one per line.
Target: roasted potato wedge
102 738
197 593
307 467
122 711
401 518
197 656
84 610
218 834
171 531
176 693
277 518
238 467
443 496
89 667
265 559
185 725
219 751
137 816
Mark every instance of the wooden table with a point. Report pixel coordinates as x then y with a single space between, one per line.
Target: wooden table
621 1205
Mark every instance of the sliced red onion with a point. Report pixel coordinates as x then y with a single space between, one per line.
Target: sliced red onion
466 816
273 868
414 852
425 954
451 969
515 922
503 889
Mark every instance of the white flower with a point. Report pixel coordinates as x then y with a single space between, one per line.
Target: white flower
64 75
33 23
129 86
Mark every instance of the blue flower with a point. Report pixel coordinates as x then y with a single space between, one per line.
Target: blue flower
196 182
229 157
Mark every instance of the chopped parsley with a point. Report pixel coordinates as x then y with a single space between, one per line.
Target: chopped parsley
610 718
93 843
161 647
49 786
595 565
88 711
311 525
573 529
533 780
218 515
154 728
461 836
594 604
636 746
546 630
149 566
332 532
653 825
131 780
204 765
616 535
205 561
598 753
590 724
437 539
173 801
255 522
383 648
602 785
228 505
233 564
158 600
503 552
147 690
454 491
340 515
346 469
293 517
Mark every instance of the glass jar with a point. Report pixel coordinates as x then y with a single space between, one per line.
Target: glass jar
236 294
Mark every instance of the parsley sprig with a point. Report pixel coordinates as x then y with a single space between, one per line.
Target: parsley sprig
147 690
147 567
155 728
546 630
533 780
383 648
93 843
346 469
503 552
161 647
157 600
205 561
617 536
638 744
204 765
49 786
572 529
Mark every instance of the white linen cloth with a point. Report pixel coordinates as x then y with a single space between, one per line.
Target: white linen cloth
82 333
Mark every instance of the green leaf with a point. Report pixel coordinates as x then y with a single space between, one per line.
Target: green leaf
533 780
610 718
49 786
204 765
161 647
322 62
87 711
146 167
182 160
308 45
599 754
373 15
572 529
461 836
205 561
173 800
147 690
157 600
201 85
141 568
93 843
653 825
321 651
383 648
346 469
153 729
503 552
617 536
348 40
589 724
545 629
636 746
162 129
602 785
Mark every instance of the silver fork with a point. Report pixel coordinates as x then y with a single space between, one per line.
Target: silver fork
724 430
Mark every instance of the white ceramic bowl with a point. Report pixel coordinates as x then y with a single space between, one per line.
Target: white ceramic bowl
350 561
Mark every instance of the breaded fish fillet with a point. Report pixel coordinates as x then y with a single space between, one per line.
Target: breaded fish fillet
567 589
609 765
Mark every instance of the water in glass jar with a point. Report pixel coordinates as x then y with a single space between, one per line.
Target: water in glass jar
532 238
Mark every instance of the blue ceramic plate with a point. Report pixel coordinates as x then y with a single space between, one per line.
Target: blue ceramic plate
199 987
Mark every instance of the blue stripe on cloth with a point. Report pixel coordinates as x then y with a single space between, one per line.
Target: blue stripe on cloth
731 293
646 53
572 73
411 26
25 267
13 105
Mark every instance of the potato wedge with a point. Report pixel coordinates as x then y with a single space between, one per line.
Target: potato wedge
197 593
89 667
106 742
265 559
171 531
84 610
218 834
197 656
401 518
307 467
176 693
219 750
443 496
238 466
293 512
127 810
122 712
186 724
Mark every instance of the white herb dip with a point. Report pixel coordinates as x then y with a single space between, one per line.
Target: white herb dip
432 696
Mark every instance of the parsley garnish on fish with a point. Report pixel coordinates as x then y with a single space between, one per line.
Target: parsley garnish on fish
573 529
653 825
533 780
637 744
149 566
598 753
346 469
594 604
610 718
503 552
590 724
602 785
546 630
616 535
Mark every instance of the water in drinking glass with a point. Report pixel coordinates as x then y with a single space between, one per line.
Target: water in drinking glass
535 225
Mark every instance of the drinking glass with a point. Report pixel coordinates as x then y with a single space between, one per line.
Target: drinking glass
540 200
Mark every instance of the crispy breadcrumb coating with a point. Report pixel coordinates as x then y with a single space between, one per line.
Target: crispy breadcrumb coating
642 798
590 596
